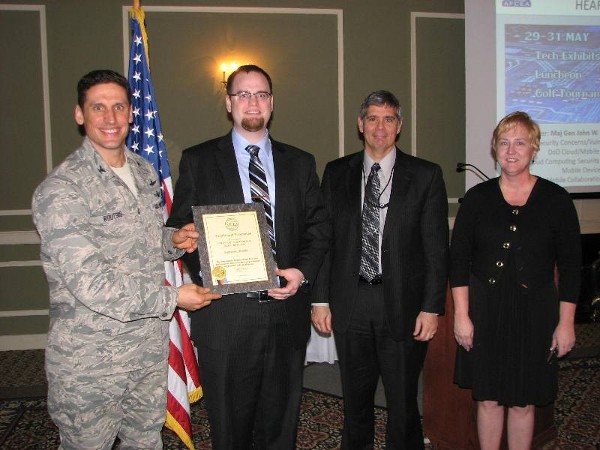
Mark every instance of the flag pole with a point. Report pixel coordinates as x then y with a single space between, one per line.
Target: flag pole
138 14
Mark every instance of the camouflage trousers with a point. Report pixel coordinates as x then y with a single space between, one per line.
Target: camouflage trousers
91 411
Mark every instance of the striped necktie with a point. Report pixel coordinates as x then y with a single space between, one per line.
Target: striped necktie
369 259
259 190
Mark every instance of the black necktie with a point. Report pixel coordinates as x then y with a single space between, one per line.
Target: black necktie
259 190
369 259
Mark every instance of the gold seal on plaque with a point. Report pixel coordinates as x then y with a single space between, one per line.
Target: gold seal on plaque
219 272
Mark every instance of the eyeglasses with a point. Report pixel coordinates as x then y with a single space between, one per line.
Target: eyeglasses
261 96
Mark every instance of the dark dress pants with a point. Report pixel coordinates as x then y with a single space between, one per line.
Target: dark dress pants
366 351
253 389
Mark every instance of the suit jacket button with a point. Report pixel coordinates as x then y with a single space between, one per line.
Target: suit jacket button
492 281
499 264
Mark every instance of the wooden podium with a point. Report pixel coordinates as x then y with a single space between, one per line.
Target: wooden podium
449 412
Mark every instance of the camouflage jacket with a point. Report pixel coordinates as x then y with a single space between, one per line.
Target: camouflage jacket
103 253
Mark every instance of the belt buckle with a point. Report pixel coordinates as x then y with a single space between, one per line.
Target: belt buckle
260 296
263 297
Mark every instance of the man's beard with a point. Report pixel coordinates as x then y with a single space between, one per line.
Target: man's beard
253 124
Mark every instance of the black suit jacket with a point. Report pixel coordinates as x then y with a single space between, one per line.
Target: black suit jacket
208 175
414 250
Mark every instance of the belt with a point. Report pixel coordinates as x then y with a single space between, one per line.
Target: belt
377 279
260 296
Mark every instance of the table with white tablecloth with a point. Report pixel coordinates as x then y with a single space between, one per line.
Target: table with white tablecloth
320 348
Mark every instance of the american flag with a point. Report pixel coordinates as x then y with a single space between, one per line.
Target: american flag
146 139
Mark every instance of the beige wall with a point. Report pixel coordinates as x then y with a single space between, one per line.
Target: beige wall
324 57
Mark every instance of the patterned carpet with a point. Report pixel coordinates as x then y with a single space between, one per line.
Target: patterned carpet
24 424
24 421
320 424
577 407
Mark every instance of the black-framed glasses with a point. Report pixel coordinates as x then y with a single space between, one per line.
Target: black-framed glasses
261 96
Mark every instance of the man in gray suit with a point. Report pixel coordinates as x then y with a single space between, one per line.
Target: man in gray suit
383 282
251 346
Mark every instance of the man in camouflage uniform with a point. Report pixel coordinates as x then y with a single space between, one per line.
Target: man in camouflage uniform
99 215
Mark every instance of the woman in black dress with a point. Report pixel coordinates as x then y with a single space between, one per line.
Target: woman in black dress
515 275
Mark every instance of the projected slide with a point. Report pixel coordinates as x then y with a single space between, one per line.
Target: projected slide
553 71
549 66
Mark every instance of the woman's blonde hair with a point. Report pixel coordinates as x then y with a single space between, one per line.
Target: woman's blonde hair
512 120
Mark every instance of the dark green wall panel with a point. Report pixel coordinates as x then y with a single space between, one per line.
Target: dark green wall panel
11 326
22 141
441 96
23 288
17 223
19 253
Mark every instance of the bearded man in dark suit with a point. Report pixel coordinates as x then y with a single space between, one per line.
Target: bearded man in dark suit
251 346
383 282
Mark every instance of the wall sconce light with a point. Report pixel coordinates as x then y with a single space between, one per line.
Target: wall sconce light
226 69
